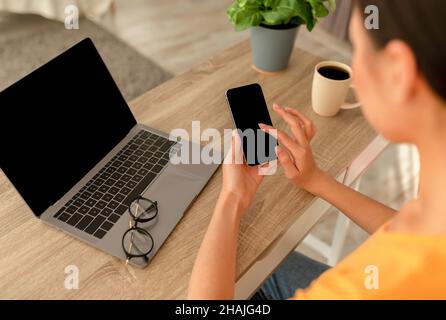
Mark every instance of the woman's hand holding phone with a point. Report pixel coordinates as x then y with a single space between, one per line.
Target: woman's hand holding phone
240 181
294 153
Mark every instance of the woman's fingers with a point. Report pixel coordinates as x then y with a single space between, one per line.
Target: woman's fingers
235 154
293 117
295 124
237 147
291 171
308 124
295 149
300 115
229 158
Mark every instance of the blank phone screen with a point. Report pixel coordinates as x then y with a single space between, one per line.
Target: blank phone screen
248 107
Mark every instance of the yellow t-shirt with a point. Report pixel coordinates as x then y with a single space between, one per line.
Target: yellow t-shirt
387 266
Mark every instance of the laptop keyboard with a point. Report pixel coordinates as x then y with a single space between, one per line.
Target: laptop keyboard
103 200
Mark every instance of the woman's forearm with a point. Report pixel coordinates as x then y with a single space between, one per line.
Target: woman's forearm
364 211
213 275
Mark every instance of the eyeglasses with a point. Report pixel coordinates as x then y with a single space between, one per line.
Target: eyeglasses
137 242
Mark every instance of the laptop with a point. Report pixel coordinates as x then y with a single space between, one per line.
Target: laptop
75 153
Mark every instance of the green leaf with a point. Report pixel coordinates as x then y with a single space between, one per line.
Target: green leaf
244 14
332 4
277 16
297 21
296 8
319 9
247 19
269 4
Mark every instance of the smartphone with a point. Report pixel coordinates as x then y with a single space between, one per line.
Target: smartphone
248 108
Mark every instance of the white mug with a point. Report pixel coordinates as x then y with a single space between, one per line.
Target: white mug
330 92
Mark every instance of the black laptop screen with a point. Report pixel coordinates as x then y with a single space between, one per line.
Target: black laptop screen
57 123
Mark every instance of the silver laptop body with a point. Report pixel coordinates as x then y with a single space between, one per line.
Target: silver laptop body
95 208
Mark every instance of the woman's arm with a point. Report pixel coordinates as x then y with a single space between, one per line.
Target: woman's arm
213 275
364 211
296 158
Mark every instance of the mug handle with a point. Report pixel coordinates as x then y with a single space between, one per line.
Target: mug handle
350 106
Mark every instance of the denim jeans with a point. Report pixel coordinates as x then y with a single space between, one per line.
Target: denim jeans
296 272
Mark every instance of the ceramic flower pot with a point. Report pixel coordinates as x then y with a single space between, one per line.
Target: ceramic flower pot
272 47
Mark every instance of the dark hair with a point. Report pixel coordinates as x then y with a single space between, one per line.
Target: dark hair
422 25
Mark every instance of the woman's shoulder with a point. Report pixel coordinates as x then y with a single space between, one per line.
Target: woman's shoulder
407 219
415 219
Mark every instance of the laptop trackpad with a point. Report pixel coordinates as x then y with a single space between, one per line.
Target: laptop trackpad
174 190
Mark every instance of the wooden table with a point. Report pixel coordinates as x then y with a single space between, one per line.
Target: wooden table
34 256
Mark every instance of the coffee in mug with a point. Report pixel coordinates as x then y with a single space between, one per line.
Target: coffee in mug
331 83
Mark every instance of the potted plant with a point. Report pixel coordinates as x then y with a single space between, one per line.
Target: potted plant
274 25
